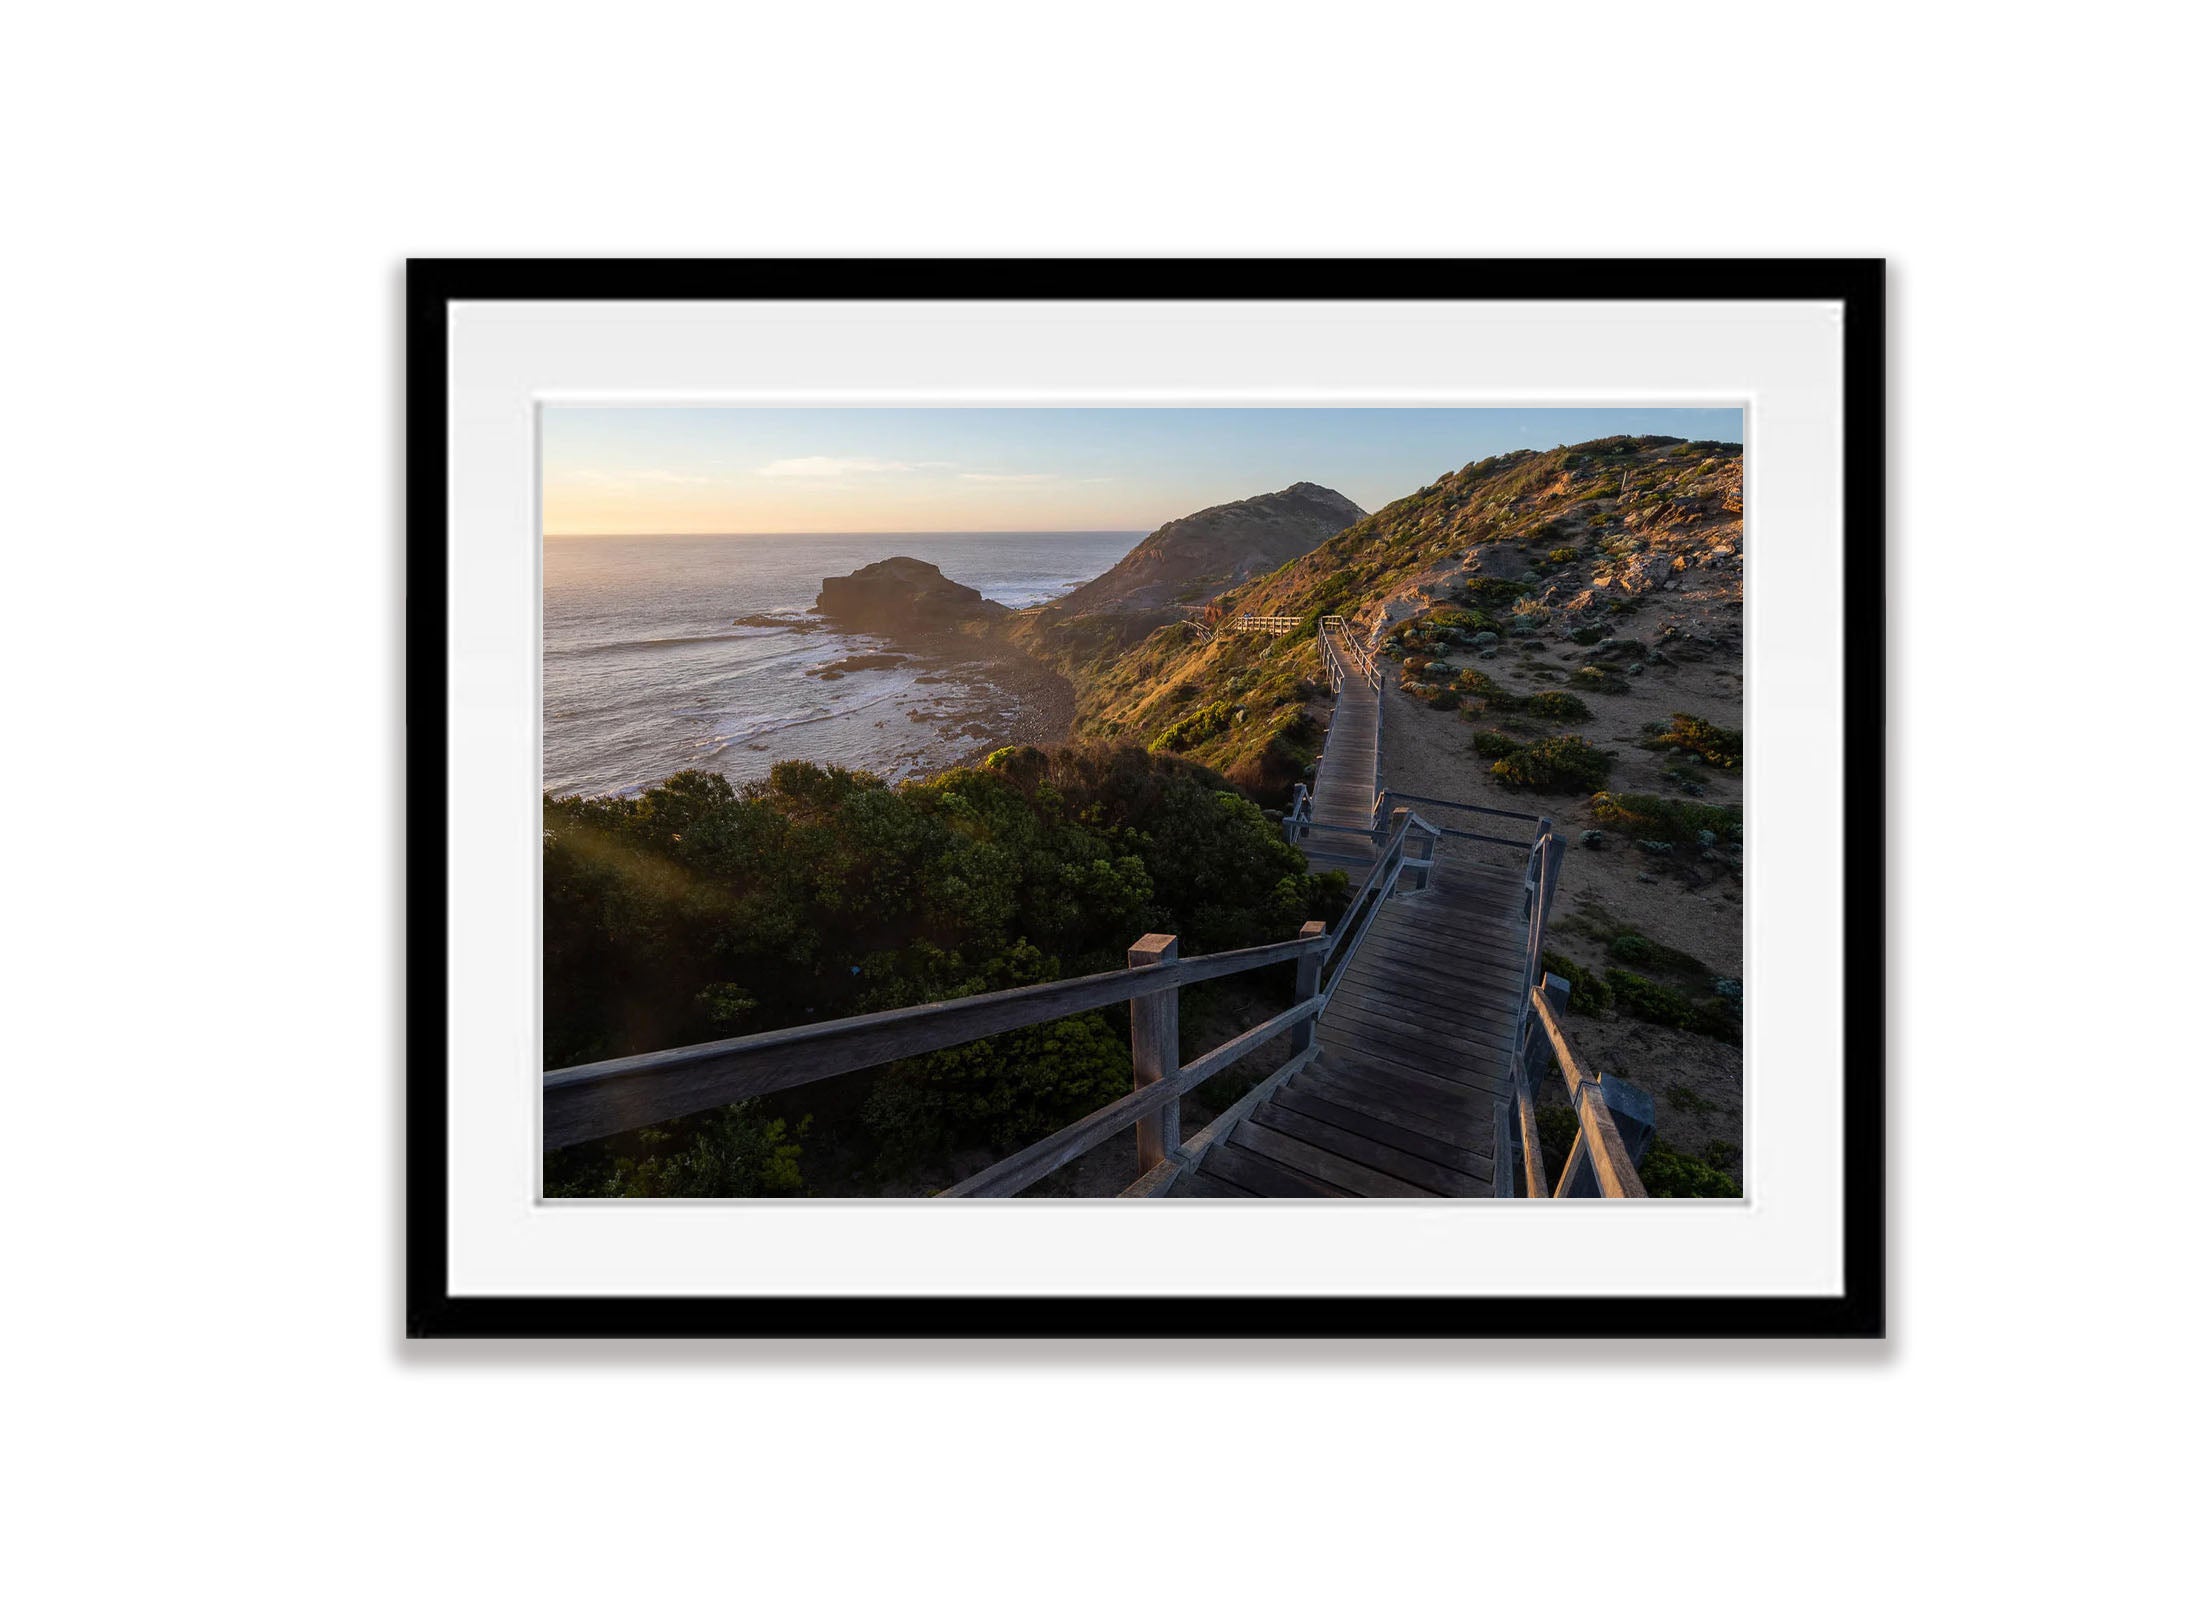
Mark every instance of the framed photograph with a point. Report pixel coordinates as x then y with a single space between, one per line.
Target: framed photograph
1175 798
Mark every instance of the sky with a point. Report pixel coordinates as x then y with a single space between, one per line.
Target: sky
1028 469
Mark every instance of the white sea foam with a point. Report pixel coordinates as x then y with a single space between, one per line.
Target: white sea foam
648 667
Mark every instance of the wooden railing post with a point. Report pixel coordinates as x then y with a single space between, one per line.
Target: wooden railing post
1401 818
1308 982
1154 1053
1535 1059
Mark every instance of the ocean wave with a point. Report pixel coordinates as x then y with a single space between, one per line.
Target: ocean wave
668 643
742 730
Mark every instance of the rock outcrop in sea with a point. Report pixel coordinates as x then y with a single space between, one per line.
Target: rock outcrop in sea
903 595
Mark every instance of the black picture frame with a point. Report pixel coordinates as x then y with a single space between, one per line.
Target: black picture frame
432 1311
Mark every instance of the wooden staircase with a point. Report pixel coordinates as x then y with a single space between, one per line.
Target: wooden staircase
1417 1039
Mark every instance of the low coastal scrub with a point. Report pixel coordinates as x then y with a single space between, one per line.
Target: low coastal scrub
1654 817
1595 680
700 910
1693 997
1197 728
1566 764
1719 747
1654 1002
1591 996
1554 705
1489 744
1669 1175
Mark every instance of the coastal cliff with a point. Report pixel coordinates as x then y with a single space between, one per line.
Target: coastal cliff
1193 559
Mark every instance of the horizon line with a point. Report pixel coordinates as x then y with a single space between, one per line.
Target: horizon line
828 533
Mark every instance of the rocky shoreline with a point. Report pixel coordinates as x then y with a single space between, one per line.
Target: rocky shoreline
942 626
1034 704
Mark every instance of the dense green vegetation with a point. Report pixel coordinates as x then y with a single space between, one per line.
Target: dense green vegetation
1565 764
698 910
1670 1175
1591 996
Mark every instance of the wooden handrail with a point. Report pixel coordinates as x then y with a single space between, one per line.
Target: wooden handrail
1375 885
1461 805
607 1097
1058 1149
1598 1142
1389 867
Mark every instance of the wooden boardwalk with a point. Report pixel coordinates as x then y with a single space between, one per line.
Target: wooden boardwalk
1344 784
1415 1053
1416 1040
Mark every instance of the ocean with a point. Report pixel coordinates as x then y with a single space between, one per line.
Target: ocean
648 666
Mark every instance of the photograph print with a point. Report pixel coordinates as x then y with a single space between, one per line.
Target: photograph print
1234 804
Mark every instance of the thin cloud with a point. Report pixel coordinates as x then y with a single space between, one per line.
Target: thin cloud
597 478
836 466
1006 477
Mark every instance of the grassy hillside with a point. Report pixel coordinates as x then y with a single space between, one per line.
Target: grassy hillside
1517 550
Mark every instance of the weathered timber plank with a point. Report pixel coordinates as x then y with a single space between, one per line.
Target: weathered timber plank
1328 1107
1464 1128
1419 1094
1195 1149
1446 967
1473 1049
1462 965
1347 1176
1206 1186
1259 1176
1409 1082
1485 1074
1446 903
1450 1015
1433 1122
1387 1159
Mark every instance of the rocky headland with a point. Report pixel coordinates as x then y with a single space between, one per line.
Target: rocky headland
1191 560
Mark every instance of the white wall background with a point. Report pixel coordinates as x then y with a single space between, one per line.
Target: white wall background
209 205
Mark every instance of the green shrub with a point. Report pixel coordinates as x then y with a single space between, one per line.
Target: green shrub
1555 705
1654 1002
1492 594
1561 555
1719 747
735 1152
1638 949
1472 680
1195 729
701 910
1489 744
1555 1127
1445 699
1591 996
1566 764
1597 681
1669 1175
1653 816
1002 1092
